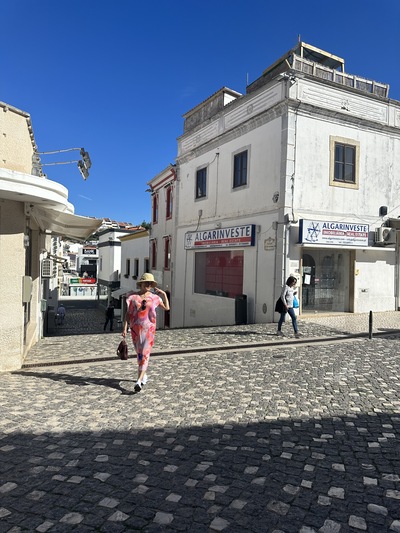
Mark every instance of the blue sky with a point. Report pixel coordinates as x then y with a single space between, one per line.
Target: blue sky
115 77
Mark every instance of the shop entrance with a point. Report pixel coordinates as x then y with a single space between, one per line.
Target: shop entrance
325 281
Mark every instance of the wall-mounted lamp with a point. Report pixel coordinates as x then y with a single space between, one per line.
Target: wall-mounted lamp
26 241
383 210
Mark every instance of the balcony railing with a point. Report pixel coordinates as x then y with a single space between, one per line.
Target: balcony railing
349 80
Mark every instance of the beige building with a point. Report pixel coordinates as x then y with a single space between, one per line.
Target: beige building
32 210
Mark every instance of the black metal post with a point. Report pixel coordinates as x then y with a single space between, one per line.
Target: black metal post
370 325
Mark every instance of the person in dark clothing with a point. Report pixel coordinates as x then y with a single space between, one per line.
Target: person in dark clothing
287 295
109 316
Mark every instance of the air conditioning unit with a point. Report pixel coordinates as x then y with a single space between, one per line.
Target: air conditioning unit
47 268
385 235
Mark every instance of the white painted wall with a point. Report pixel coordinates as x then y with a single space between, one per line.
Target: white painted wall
133 248
12 269
374 288
286 129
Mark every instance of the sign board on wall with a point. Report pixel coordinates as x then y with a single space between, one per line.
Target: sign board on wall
221 237
327 232
84 281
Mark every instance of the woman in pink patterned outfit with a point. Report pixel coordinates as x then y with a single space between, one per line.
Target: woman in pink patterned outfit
141 316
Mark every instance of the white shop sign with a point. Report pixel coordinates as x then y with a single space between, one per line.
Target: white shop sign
221 237
327 232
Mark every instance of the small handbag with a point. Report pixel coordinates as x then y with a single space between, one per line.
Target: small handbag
295 302
279 307
122 350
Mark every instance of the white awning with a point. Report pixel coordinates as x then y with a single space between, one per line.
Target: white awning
64 224
119 292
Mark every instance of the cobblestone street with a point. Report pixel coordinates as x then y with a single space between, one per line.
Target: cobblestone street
288 437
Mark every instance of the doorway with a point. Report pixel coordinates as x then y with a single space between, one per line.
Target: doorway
167 313
325 281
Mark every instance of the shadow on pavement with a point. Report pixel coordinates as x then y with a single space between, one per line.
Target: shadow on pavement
78 380
253 477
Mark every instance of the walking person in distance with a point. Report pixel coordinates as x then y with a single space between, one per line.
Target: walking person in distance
141 317
109 317
287 296
61 314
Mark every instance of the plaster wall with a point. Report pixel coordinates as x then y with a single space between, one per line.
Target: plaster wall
222 200
15 140
374 286
133 248
379 166
12 270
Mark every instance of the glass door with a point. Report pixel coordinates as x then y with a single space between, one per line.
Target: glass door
325 280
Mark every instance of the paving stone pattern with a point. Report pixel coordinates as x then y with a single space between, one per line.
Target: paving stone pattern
295 437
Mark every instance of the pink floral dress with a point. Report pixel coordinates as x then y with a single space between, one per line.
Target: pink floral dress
142 321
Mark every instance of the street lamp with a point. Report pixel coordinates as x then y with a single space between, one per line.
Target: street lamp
83 164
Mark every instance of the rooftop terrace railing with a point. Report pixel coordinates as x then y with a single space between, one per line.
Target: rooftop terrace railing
349 80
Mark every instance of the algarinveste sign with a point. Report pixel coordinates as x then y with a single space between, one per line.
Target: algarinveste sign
333 232
221 237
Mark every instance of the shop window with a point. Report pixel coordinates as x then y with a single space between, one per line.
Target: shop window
201 183
169 202
344 162
240 169
219 273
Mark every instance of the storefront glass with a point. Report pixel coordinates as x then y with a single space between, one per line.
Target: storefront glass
325 280
219 273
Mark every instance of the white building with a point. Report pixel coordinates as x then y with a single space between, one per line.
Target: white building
134 263
109 250
32 210
162 242
298 176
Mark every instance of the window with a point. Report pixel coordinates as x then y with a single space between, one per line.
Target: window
344 163
127 268
240 169
153 254
219 273
146 264
136 268
155 209
169 202
167 253
201 183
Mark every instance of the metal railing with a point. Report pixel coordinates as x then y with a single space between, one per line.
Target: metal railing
349 80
